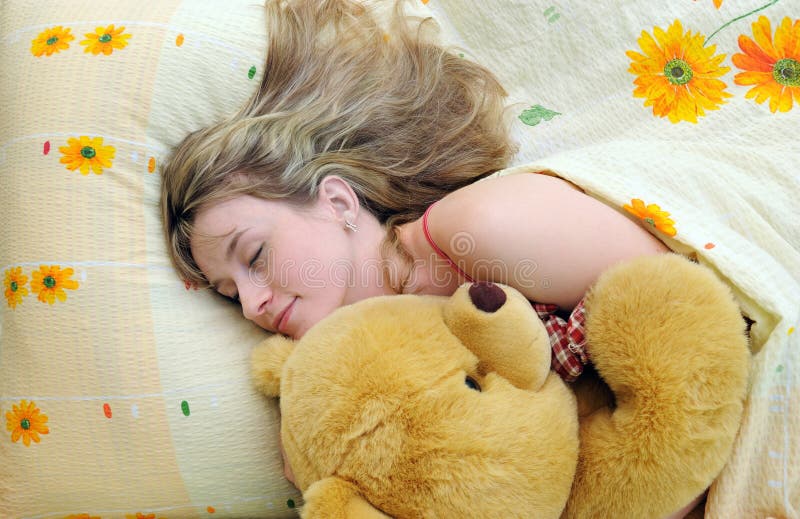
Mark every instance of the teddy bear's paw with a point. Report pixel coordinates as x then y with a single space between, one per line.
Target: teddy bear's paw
665 317
267 362
334 498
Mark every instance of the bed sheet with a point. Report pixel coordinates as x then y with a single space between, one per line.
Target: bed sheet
683 114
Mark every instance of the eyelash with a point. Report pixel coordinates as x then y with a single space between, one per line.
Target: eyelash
235 297
256 256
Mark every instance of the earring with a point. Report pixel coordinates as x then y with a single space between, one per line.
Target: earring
350 225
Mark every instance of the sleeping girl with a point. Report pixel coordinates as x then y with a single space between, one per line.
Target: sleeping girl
353 172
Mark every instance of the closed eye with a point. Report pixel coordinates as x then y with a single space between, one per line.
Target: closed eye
235 297
256 255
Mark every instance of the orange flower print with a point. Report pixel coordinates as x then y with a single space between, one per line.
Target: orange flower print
140 515
652 215
26 422
676 75
51 41
105 40
87 152
14 283
49 283
772 65
717 3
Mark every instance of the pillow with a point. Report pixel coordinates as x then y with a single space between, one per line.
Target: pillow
127 394
123 392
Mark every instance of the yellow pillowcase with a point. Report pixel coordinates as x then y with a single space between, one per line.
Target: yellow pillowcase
123 393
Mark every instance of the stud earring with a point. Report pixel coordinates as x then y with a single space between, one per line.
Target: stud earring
350 225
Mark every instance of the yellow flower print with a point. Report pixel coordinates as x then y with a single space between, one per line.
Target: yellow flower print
87 152
50 282
26 422
50 41
771 64
140 515
677 76
14 283
81 516
105 40
652 215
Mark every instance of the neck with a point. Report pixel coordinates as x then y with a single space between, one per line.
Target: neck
378 264
397 260
427 272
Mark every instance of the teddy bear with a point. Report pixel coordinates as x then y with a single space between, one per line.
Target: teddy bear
412 406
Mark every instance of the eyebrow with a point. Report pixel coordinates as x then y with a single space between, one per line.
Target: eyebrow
232 244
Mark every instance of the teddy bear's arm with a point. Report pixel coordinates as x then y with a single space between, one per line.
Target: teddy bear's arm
267 362
334 498
667 337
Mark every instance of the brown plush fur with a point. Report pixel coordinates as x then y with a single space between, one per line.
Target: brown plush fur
377 419
668 339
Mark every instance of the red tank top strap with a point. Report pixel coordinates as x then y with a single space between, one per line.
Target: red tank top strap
436 248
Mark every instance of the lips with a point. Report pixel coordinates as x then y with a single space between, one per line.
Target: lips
282 318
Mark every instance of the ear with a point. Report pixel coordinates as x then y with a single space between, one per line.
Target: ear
337 196
267 362
334 498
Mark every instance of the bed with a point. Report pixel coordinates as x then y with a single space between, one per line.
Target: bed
125 393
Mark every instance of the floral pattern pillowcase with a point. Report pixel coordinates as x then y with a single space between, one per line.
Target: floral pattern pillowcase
123 393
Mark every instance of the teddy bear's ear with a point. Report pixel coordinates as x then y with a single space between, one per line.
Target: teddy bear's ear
267 362
499 326
334 498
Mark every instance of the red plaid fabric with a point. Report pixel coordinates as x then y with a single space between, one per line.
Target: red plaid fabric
567 339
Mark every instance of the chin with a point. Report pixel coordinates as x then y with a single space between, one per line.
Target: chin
297 334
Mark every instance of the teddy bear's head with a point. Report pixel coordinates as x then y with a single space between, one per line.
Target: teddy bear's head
421 403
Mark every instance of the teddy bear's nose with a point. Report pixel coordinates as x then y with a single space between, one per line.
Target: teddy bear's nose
487 296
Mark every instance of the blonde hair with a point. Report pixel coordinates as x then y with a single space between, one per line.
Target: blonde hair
402 119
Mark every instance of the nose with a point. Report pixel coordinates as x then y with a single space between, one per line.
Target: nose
254 299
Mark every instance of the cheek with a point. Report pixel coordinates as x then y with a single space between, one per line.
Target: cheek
316 304
325 281
322 264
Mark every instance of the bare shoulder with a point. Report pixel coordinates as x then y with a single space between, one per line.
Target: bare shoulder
486 205
529 184
537 233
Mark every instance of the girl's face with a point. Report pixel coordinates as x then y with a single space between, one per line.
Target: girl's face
287 267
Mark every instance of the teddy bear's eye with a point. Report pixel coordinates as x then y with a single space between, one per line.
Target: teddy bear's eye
472 384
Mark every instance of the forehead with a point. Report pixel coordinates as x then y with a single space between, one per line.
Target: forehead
215 223
222 218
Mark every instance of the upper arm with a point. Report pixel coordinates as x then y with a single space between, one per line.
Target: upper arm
536 233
